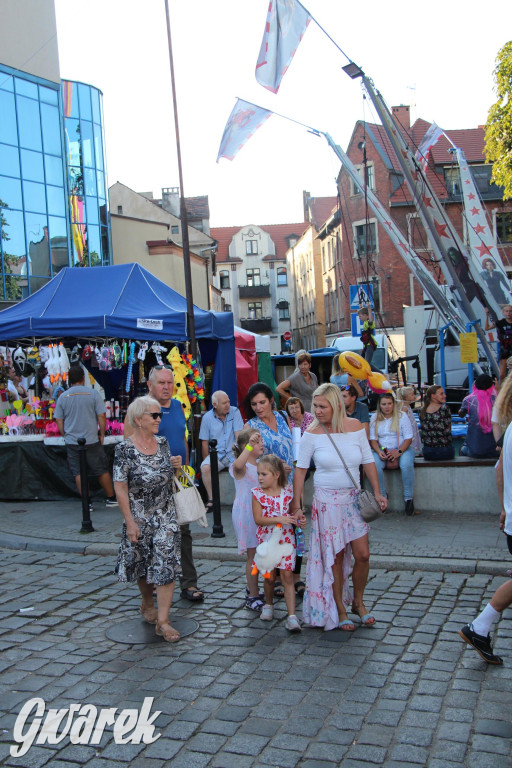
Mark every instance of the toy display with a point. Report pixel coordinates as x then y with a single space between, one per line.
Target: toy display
360 369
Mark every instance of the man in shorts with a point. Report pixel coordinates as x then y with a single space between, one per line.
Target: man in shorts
222 423
78 413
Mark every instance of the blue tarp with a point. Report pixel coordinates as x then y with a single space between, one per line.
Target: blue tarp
123 301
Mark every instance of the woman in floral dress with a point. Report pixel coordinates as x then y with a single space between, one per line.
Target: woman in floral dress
337 528
436 426
150 546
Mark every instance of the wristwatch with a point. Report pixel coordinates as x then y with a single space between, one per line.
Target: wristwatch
400 452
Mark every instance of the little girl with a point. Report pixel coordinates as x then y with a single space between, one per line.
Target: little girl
270 507
247 449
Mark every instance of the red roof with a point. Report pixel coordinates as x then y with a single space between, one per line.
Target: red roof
278 232
321 209
197 207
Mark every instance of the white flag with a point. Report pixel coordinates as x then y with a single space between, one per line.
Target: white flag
286 23
243 121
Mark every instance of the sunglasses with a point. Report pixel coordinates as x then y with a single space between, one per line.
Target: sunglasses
154 415
161 368
345 388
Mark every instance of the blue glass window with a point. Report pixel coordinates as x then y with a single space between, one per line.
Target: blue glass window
8 132
92 210
29 123
90 181
98 143
70 99
58 243
10 192
87 143
14 290
38 245
48 95
34 197
104 246
32 165
6 81
25 88
84 96
9 160
101 185
56 204
13 228
96 112
37 282
54 174
93 244
76 181
51 129
72 130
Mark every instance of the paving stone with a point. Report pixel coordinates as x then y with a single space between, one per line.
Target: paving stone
492 744
498 728
487 760
280 758
366 753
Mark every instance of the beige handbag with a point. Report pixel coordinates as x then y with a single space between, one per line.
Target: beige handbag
188 501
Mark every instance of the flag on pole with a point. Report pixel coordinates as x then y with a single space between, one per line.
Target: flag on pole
431 137
286 23
243 122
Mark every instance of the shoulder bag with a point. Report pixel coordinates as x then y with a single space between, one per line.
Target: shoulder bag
369 507
188 501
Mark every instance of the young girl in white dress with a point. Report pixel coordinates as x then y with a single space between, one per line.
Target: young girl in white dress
270 507
247 449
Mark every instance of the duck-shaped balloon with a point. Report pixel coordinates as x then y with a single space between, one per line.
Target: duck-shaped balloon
269 553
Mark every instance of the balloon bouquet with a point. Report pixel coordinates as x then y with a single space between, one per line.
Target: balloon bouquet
360 369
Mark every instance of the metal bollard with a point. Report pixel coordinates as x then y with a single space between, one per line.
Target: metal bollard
217 530
84 483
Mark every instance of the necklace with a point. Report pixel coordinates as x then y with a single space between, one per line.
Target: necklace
144 448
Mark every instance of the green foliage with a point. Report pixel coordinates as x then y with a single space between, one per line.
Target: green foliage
498 130
12 287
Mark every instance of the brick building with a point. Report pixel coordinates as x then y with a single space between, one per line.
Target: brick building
362 251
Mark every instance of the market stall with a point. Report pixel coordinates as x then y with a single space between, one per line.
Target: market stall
116 321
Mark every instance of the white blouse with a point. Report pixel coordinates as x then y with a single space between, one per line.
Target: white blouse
387 438
330 472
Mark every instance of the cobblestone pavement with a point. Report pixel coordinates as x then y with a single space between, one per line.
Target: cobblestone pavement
244 694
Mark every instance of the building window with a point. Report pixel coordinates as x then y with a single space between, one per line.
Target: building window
284 310
175 230
251 247
224 279
504 227
418 238
355 189
253 277
255 310
282 276
452 181
365 238
120 210
227 307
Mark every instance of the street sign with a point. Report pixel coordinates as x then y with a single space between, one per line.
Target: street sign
356 325
287 335
361 294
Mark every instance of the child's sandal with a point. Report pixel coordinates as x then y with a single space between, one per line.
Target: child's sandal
254 604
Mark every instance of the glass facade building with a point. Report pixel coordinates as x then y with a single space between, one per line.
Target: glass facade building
53 201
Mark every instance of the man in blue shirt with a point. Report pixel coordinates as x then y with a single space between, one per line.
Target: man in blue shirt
222 423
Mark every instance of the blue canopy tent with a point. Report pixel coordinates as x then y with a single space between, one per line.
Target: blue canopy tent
123 301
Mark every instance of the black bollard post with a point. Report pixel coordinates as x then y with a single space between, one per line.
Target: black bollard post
84 483
217 530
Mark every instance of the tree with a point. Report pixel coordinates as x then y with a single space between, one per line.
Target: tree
498 130
12 286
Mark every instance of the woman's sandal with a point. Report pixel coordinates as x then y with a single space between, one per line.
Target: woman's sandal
367 620
278 589
168 633
346 625
209 505
149 614
300 588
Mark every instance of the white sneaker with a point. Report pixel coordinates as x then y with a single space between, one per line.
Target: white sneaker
292 624
267 612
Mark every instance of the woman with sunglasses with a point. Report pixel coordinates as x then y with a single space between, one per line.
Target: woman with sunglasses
150 546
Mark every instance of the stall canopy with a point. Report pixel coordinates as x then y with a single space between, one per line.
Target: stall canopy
252 361
124 301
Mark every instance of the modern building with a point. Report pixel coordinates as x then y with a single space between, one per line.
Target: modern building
53 201
253 277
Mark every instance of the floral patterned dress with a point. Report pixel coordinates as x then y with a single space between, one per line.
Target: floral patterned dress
278 443
243 520
308 419
156 555
271 506
436 428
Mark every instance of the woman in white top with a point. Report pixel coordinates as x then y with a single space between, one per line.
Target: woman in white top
391 437
337 528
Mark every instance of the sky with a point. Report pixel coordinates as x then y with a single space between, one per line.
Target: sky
437 57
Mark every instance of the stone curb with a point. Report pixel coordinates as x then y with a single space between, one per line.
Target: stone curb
381 562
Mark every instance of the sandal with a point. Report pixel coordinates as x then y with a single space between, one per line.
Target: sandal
346 625
254 603
209 505
169 634
193 594
150 614
367 620
278 589
300 588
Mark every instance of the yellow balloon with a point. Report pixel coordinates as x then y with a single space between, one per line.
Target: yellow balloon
379 383
355 365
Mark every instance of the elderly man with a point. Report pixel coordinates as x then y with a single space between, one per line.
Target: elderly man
172 426
222 423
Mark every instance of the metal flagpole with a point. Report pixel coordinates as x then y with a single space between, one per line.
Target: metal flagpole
183 210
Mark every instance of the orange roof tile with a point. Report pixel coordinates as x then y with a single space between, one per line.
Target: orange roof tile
278 232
